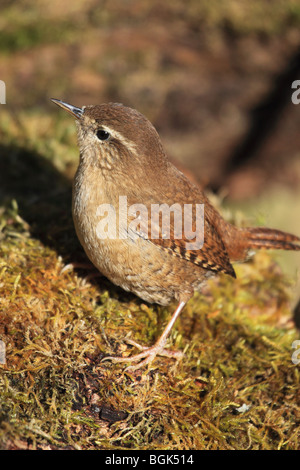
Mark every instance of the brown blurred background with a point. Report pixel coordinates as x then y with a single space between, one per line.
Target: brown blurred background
213 76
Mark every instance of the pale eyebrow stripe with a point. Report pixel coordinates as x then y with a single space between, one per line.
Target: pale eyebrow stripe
128 143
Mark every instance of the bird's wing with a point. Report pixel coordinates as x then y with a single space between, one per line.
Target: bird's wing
199 240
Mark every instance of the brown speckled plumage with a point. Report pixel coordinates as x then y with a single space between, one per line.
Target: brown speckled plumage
132 163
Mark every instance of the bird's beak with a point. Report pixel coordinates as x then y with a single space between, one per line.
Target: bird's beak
76 112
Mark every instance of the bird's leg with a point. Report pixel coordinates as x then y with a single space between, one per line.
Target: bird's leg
158 349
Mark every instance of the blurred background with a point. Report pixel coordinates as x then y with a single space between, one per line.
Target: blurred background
213 76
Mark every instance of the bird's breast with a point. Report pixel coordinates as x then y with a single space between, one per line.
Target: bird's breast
133 263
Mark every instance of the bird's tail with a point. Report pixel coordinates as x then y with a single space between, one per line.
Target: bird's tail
241 241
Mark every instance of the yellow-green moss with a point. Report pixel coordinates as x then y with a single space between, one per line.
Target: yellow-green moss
57 327
236 387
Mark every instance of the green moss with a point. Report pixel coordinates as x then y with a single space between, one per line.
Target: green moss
54 390
27 25
58 326
28 36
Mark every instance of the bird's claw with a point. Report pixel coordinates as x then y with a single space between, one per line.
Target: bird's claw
148 355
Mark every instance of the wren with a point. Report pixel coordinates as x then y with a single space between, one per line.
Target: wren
121 155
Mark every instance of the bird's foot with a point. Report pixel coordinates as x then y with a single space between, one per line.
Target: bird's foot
147 355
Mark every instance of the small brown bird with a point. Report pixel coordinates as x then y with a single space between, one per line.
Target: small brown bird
124 171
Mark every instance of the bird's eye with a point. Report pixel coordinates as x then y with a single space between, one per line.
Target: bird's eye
102 134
